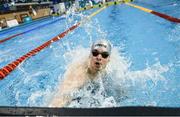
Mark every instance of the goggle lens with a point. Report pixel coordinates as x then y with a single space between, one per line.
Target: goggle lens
103 54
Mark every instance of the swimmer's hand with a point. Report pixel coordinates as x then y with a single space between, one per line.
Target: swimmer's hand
60 101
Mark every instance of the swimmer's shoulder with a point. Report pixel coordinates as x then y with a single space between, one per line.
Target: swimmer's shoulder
79 65
76 70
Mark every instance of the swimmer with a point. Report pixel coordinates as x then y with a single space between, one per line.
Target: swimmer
78 75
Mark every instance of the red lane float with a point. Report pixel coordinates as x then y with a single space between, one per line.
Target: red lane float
12 66
167 17
172 19
8 38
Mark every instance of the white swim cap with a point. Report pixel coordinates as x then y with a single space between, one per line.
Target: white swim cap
101 43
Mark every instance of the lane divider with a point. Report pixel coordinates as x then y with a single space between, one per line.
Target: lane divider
15 35
8 38
81 9
6 70
21 26
167 17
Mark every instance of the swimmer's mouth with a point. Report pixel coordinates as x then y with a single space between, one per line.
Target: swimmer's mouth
97 63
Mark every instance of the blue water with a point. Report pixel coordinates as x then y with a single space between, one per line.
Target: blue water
21 44
146 55
25 27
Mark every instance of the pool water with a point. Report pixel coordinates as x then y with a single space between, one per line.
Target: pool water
145 56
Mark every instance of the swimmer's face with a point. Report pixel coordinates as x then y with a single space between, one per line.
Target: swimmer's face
99 58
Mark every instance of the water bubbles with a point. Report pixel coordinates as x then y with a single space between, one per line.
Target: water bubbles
174 4
152 103
37 98
124 83
109 102
175 34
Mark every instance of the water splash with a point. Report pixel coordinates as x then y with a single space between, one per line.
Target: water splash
136 87
122 77
126 82
175 34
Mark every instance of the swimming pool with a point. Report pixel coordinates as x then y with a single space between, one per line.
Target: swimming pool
145 56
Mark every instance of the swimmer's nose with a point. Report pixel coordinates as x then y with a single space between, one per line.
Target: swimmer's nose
99 57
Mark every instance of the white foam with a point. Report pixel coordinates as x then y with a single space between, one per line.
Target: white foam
153 73
5 55
109 102
175 34
122 75
32 100
119 66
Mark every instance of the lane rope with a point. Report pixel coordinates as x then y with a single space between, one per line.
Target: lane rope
21 26
15 35
81 9
167 17
6 70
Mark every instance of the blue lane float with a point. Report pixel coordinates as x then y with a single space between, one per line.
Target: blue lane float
15 35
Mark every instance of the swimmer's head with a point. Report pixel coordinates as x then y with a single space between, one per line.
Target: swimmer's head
100 55
101 44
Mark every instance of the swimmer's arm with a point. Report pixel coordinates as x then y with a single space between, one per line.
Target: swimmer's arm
60 101
63 97
73 80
